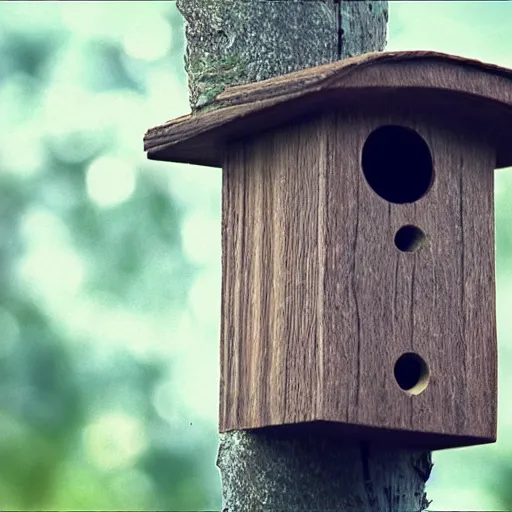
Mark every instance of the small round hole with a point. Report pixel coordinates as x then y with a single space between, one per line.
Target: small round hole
412 373
409 238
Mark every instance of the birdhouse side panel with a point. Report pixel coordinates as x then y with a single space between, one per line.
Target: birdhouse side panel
272 292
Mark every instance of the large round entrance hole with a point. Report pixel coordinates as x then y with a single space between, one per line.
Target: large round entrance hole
412 373
397 164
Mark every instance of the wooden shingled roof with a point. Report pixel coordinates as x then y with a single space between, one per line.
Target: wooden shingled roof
458 87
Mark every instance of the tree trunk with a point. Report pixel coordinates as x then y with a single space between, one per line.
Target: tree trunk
241 41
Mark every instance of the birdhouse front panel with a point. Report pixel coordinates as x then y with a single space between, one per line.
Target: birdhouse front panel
410 336
358 278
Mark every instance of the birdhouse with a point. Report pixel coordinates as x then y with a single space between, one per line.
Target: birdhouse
358 291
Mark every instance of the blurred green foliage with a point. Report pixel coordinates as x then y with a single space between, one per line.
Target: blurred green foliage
78 429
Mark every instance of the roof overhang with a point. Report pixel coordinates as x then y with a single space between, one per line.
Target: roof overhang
444 85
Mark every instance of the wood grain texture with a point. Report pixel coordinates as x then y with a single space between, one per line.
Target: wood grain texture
479 93
318 303
270 275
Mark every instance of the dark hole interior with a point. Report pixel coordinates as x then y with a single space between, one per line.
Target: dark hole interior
397 164
411 373
409 238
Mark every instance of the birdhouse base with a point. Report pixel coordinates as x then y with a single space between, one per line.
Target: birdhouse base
391 437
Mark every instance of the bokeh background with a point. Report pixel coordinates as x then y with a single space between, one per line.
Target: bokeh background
110 264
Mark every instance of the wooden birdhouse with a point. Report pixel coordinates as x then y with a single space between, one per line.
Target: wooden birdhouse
358 291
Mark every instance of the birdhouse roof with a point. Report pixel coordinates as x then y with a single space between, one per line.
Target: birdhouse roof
453 86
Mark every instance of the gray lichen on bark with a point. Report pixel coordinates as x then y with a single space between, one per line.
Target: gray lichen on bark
233 42
362 27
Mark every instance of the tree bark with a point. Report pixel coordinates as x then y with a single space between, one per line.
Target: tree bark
241 41
282 472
